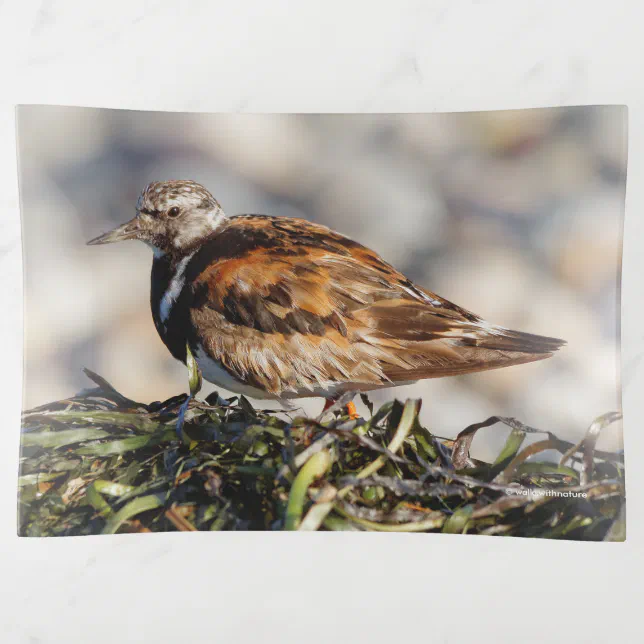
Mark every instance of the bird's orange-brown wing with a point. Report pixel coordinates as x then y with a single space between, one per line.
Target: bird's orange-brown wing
289 306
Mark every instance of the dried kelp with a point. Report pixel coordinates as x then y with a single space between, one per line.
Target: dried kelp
102 463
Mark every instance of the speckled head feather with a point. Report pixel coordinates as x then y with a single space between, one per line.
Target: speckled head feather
174 216
158 196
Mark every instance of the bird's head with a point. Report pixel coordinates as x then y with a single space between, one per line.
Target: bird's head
171 217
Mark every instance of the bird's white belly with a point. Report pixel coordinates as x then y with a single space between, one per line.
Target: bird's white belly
212 371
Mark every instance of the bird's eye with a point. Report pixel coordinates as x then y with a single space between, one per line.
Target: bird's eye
175 211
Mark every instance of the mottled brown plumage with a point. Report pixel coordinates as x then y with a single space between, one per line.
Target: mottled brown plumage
280 307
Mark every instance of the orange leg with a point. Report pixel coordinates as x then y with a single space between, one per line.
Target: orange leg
350 408
352 411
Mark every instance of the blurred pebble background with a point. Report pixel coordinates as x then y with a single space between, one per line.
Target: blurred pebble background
515 215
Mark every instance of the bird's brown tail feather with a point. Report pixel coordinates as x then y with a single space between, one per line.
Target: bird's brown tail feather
494 350
508 340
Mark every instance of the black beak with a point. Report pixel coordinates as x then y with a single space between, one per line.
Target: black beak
128 230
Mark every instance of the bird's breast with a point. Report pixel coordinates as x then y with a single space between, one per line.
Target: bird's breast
170 297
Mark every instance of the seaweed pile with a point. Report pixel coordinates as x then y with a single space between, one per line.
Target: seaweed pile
100 463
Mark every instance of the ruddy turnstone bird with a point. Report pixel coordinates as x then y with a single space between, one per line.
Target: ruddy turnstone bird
282 308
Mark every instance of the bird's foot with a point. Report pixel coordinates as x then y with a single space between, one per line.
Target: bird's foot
352 411
348 407
195 380
181 416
